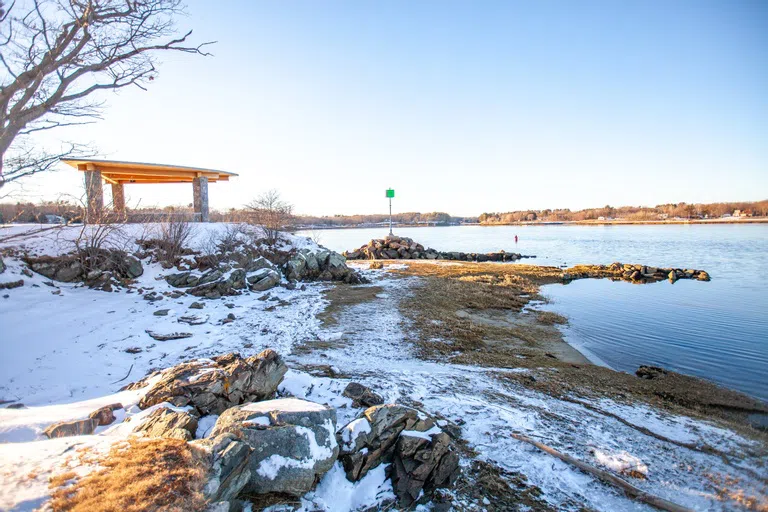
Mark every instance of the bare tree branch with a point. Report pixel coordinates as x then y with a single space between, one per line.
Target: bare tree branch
54 54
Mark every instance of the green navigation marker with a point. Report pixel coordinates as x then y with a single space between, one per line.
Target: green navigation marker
390 192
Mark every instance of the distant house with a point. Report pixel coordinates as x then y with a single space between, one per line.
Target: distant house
663 216
737 213
725 215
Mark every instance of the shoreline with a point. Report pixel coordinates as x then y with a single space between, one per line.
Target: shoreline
743 220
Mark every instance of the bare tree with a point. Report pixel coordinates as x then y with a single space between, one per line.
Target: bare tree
55 54
271 213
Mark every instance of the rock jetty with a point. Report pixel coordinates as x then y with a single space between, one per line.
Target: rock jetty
404 248
633 273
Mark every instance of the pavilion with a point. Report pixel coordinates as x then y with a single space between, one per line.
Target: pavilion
119 173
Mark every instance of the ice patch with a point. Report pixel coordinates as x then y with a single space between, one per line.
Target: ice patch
423 435
205 425
284 405
621 462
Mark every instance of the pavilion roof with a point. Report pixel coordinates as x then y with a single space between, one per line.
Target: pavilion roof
116 171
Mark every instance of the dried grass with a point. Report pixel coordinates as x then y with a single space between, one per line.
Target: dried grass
550 318
158 474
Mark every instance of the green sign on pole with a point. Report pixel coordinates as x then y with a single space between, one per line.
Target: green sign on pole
390 195
390 192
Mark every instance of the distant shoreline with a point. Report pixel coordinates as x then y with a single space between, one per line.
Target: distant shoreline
742 220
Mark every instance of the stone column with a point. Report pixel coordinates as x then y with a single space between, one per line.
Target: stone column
200 197
118 198
94 194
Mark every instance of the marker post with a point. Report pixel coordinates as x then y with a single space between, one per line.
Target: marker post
390 195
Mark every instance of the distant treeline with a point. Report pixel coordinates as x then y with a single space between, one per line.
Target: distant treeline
632 213
433 218
69 211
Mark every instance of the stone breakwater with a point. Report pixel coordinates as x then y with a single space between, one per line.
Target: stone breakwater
633 273
403 248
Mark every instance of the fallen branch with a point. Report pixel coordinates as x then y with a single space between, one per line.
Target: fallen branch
608 478
126 376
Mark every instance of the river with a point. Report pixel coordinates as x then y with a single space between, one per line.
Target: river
716 330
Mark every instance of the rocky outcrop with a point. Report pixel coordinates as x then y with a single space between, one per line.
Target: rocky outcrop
322 264
293 443
423 456
105 415
403 248
263 279
212 386
229 471
71 428
633 273
164 422
99 268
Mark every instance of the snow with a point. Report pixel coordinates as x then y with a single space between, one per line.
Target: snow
271 466
621 462
427 435
204 425
259 421
284 405
335 493
351 432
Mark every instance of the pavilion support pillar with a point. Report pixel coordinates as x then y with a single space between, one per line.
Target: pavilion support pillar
200 197
118 198
94 194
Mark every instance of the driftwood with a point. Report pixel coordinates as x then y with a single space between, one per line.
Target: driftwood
609 478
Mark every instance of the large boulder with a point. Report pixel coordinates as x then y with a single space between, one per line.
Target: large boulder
71 428
228 463
215 284
293 442
212 386
132 266
296 267
263 279
423 456
258 264
165 422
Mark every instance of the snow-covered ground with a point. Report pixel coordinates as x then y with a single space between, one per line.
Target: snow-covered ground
63 354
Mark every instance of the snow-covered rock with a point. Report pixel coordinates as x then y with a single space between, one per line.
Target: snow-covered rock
165 422
293 443
212 386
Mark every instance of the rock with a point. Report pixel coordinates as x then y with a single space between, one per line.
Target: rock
71 428
258 264
376 432
169 336
423 461
293 442
161 312
213 386
215 284
104 415
228 467
12 284
672 276
196 305
132 266
650 372
164 422
263 280
182 280
193 319
152 296
2 265
423 457
361 395
295 267
703 276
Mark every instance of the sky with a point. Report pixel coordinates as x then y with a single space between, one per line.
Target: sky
463 107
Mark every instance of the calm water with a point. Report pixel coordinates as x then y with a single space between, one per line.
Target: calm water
717 330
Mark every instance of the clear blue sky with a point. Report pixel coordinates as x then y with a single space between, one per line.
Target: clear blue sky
460 106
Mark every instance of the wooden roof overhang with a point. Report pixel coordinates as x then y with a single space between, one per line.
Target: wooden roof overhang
117 172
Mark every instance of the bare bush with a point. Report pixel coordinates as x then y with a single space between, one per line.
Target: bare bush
272 214
174 236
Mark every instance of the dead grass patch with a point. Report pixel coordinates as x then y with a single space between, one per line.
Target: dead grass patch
550 318
158 474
